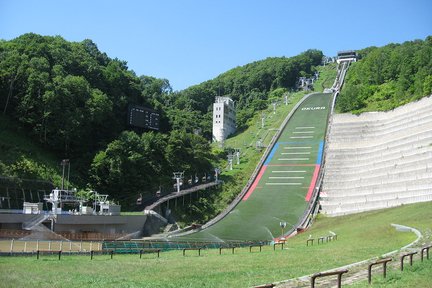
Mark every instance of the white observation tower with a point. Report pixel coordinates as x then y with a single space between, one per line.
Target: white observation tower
224 118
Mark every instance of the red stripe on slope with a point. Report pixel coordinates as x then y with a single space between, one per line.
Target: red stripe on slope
313 182
255 183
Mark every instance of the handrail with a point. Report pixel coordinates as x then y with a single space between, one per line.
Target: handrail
382 261
182 193
325 274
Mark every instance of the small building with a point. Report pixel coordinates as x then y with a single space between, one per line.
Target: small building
224 118
32 208
349 55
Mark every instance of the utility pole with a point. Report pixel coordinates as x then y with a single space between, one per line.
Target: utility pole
262 120
178 176
274 107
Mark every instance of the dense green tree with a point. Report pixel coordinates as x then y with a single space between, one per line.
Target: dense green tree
73 99
133 164
388 76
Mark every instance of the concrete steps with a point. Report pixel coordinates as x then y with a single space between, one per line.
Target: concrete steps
378 160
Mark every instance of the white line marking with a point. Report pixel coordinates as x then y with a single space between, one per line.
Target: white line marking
305 128
295 153
303 132
299 177
288 171
293 159
300 137
284 184
298 147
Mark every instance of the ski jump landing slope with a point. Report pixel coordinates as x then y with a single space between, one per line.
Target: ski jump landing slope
284 184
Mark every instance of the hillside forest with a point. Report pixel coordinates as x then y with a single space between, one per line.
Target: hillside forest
71 99
387 77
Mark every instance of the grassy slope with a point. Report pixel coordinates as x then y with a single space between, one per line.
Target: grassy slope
258 218
18 149
360 237
246 140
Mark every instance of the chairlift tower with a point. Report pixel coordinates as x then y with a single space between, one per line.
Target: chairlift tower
178 176
217 172
230 161
259 144
237 153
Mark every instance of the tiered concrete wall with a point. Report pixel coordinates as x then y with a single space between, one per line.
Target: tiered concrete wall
378 160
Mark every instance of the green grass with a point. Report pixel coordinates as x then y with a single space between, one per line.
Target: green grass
360 237
327 76
419 275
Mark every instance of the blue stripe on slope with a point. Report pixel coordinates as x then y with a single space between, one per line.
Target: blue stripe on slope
272 152
320 152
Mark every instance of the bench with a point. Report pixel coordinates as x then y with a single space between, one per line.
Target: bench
220 249
185 249
259 245
150 251
38 252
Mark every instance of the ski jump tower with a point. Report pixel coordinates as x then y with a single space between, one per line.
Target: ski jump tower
224 118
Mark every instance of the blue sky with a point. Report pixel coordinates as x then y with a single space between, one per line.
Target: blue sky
191 41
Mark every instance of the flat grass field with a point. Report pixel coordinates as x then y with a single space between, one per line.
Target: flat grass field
360 237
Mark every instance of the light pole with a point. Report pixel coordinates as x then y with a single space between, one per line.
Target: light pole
282 225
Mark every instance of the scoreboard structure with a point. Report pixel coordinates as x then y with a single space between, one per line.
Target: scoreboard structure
143 117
